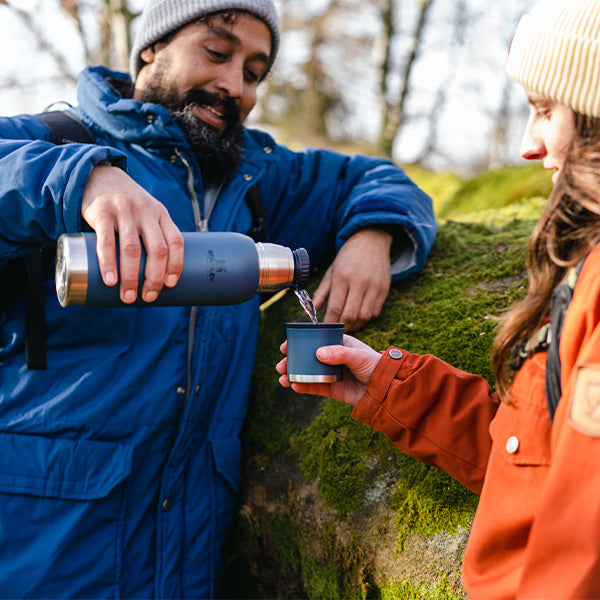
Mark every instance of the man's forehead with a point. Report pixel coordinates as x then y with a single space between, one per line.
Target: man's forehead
222 27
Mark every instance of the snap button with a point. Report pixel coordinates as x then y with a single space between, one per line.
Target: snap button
173 158
512 444
395 353
248 177
267 150
181 390
150 118
166 505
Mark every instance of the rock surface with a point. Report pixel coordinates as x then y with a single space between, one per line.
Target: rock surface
331 509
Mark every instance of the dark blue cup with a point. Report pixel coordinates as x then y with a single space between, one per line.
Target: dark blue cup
303 339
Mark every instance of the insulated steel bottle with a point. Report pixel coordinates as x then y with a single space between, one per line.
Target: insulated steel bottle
218 268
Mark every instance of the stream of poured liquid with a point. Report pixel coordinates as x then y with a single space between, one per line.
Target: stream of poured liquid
307 304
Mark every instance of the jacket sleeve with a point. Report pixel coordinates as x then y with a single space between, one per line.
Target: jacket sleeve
41 184
335 195
562 558
424 406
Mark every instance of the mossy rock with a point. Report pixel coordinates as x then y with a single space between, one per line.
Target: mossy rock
331 509
491 190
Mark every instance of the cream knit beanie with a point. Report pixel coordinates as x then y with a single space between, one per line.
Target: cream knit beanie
161 17
555 52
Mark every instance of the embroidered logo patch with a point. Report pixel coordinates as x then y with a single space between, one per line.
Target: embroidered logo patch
585 401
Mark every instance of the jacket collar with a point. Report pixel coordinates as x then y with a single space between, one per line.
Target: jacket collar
124 118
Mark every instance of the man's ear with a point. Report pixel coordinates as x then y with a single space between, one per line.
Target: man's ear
148 54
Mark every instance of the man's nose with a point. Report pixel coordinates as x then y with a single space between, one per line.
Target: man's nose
231 80
532 144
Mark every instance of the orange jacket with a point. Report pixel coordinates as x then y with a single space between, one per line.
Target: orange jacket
536 533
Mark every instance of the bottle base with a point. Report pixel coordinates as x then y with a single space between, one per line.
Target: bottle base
314 378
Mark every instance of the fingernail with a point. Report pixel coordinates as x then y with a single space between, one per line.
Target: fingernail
171 280
129 296
150 296
110 278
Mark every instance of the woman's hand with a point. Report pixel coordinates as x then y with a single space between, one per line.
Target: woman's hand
359 362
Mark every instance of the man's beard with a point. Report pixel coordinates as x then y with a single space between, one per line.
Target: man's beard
218 153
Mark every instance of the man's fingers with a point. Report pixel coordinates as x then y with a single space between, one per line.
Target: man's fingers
175 244
322 292
130 254
113 204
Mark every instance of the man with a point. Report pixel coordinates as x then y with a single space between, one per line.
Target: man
119 463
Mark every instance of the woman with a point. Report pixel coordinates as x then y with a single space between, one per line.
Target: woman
536 533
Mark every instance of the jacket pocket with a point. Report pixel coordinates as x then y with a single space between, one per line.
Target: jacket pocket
522 435
61 516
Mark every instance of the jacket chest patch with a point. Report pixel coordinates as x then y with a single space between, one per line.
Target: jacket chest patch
584 412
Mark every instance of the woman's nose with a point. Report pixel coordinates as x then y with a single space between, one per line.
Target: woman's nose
532 144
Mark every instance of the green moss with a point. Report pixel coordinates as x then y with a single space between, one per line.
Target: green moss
448 310
334 450
429 501
497 189
332 569
406 590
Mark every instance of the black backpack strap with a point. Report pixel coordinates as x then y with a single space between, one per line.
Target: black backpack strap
561 298
66 128
35 318
259 216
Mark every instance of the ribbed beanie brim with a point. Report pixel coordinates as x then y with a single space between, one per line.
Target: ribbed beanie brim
161 17
555 52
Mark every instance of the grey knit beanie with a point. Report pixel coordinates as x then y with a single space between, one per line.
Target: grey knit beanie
161 17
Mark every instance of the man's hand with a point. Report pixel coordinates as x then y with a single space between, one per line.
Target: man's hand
358 281
113 203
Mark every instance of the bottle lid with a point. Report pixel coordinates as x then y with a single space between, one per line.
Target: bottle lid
301 267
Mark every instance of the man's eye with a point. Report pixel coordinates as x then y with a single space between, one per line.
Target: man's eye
216 55
252 76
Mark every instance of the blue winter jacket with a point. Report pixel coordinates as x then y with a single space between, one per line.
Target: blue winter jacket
119 463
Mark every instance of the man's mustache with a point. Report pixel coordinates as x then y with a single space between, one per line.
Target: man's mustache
226 106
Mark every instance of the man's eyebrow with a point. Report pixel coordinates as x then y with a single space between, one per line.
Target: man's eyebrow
225 34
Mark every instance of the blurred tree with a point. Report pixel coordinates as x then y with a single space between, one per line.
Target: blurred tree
417 81
103 26
393 101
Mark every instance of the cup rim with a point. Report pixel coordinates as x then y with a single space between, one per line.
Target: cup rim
305 325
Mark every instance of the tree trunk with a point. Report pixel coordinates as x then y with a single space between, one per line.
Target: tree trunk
394 111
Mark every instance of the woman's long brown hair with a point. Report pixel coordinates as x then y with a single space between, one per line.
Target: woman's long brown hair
562 237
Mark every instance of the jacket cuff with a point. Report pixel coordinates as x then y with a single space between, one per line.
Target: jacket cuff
384 374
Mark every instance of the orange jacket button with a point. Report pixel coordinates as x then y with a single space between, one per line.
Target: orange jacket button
512 444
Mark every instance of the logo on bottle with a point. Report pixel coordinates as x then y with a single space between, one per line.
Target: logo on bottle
215 266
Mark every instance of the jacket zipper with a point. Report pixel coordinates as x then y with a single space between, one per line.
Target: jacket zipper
200 225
